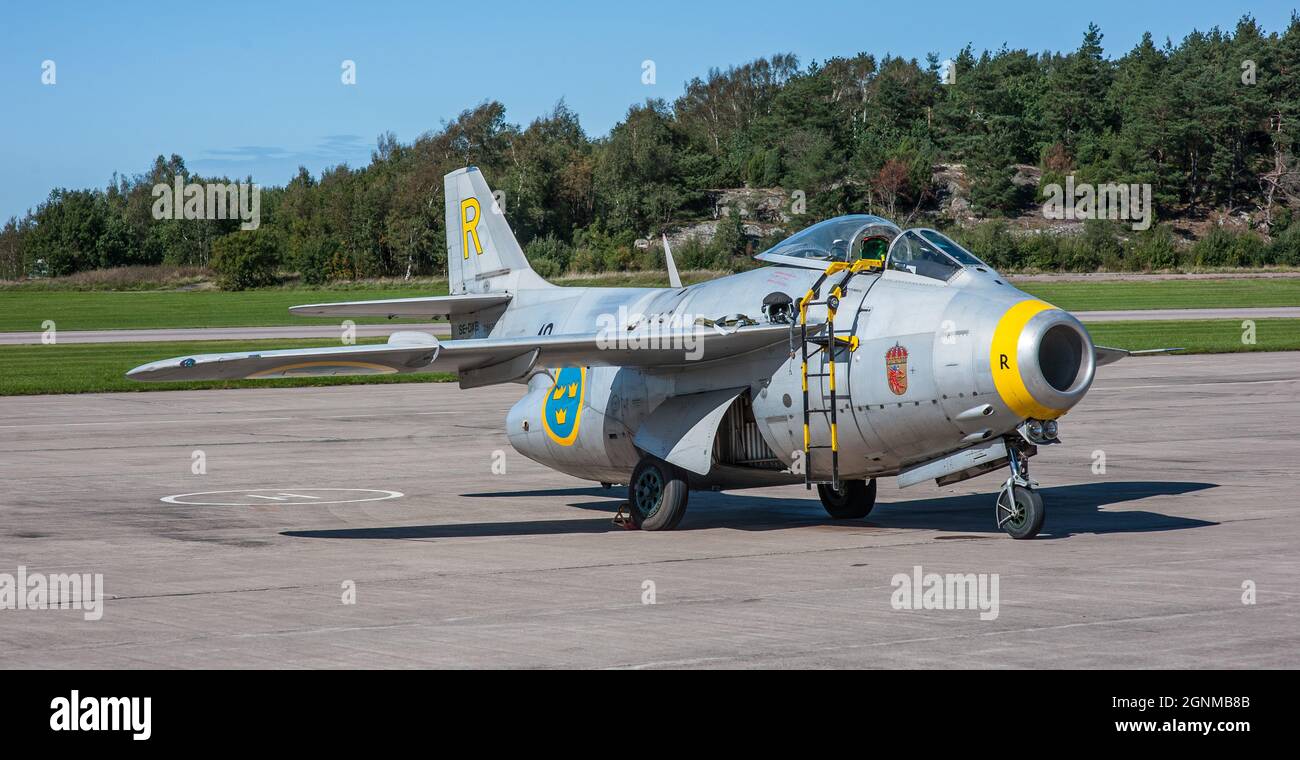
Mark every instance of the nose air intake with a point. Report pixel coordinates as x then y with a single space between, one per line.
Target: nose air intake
1060 357
1041 359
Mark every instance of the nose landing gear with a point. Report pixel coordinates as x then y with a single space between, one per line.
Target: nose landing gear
1019 508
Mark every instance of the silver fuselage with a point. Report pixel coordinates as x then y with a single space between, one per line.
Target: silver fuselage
943 397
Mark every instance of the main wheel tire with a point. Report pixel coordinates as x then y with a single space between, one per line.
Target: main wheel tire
657 495
854 499
1020 511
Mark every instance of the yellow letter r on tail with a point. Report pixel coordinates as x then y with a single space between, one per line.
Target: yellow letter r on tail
469 227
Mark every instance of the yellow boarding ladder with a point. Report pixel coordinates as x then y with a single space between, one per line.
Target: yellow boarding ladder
824 337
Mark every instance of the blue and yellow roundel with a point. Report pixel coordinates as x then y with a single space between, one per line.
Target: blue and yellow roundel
562 409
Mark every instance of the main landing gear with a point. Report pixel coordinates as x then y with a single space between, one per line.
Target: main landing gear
657 495
1020 507
854 498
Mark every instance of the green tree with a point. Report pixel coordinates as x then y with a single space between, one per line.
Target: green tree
246 259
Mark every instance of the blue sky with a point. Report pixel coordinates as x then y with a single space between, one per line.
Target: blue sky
239 88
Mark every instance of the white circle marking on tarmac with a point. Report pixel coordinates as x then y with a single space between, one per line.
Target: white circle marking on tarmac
254 497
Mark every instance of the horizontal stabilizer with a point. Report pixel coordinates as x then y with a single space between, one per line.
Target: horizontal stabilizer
429 306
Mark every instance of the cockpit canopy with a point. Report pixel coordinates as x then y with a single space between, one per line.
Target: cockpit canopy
920 251
844 238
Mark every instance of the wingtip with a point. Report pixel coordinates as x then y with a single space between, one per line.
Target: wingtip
1157 351
141 373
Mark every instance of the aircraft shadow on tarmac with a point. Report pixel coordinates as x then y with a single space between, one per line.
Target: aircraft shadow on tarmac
1071 509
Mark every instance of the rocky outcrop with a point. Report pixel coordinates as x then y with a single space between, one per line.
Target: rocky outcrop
952 190
704 232
759 204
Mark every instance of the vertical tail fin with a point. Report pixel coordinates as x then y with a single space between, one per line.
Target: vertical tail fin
482 253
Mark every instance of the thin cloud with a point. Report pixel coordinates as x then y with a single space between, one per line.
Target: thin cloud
328 150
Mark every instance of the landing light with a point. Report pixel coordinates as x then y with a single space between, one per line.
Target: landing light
1039 431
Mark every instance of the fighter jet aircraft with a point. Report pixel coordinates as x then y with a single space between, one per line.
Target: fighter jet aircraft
860 351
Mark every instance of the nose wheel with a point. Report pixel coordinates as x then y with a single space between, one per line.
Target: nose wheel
1020 511
1019 508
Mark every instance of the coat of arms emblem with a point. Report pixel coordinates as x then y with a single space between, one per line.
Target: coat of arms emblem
896 369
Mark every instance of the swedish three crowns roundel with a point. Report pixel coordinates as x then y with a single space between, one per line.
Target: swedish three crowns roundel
562 409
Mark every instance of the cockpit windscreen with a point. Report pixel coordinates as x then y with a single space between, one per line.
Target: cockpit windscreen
930 254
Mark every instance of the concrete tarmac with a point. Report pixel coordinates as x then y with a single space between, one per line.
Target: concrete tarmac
1148 564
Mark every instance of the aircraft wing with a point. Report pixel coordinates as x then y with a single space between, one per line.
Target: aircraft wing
1106 355
404 352
479 361
430 306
